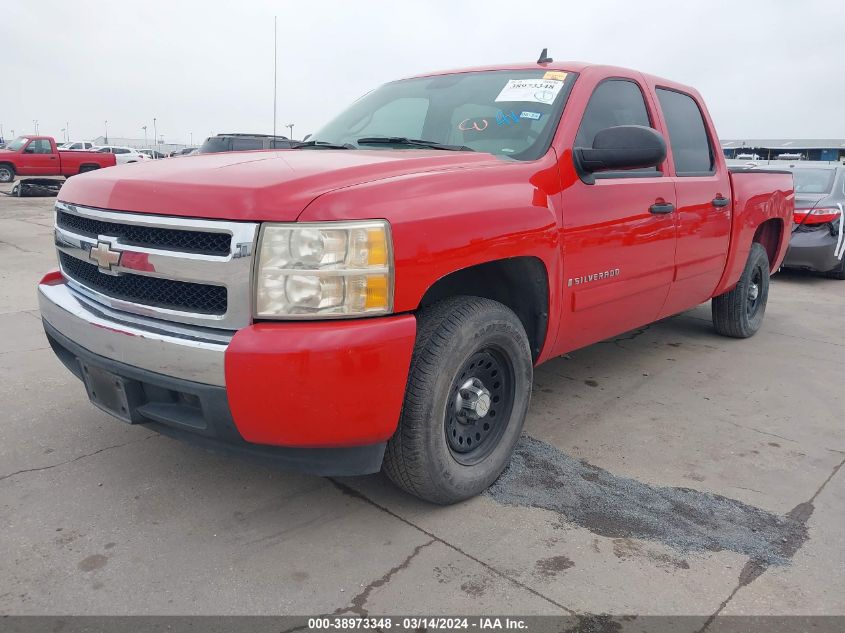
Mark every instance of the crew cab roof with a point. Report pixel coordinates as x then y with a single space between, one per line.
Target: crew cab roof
566 66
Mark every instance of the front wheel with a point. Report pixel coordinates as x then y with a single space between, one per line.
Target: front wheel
739 313
7 173
468 392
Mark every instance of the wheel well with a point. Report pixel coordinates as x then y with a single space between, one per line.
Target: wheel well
520 283
9 165
768 234
88 167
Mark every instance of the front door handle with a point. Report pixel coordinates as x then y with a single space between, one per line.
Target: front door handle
721 201
661 208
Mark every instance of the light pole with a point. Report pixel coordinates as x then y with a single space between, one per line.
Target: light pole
155 134
192 139
290 127
67 127
35 124
144 127
64 131
107 132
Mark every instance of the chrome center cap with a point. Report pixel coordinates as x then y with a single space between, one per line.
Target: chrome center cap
753 292
473 400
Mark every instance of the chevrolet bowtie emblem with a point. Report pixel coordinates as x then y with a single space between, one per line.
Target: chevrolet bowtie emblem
105 257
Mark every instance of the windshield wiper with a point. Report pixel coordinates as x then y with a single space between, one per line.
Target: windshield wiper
321 145
414 142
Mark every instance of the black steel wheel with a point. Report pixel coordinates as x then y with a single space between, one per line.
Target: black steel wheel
469 386
480 406
739 312
754 292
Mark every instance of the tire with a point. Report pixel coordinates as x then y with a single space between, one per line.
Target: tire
466 347
838 272
739 313
7 173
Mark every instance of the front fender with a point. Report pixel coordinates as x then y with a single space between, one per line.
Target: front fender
449 220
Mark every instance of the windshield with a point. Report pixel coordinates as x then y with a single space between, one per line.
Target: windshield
17 143
510 113
813 180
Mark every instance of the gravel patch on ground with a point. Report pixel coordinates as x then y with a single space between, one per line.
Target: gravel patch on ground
542 476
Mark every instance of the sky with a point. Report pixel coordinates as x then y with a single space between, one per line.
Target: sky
766 68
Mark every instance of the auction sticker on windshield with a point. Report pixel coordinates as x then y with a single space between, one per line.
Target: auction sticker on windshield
537 90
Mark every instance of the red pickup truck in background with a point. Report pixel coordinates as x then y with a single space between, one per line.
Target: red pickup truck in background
378 296
39 156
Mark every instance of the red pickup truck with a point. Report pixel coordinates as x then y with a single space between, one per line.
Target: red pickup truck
39 156
378 296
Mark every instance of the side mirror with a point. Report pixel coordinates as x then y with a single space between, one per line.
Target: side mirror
29 150
306 137
621 147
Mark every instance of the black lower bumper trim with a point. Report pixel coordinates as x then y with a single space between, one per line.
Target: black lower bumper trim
199 414
812 250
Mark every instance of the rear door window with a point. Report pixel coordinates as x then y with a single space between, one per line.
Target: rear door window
692 152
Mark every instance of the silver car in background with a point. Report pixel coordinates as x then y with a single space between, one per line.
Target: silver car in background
817 241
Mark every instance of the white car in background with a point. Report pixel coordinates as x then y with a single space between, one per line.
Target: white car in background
122 154
76 146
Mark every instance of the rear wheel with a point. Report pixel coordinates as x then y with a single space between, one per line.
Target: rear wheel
468 392
739 313
7 173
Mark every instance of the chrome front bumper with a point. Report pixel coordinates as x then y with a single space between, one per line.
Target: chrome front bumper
170 349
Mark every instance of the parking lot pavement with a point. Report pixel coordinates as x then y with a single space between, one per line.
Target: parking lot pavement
668 471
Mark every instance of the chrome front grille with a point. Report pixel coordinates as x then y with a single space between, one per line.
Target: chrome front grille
178 269
136 235
153 291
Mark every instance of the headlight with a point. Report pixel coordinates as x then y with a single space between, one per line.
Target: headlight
324 270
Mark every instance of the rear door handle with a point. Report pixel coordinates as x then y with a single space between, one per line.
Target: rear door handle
666 207
721 201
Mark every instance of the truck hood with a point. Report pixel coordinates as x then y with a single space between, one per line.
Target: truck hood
253 186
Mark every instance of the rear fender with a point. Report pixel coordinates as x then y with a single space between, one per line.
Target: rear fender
756 216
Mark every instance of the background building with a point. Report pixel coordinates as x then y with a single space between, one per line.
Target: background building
769 149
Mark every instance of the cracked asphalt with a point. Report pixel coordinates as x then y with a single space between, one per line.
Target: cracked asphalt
658 428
